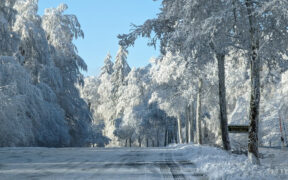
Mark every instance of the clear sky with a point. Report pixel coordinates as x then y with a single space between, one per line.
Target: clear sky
102 21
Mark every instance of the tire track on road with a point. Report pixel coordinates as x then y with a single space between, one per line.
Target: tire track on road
170 169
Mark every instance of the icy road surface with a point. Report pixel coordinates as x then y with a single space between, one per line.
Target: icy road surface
174 162
93 163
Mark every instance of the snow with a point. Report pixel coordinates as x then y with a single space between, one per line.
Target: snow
190 161
219 164
40 105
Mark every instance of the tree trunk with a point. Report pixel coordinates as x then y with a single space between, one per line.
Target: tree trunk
222 102
153 145
179 129
281 133
157 138
130 142
187 124
147 142
222 97
175 136
198 113
126 142
139 141
165 137
253 152
192 113
169 137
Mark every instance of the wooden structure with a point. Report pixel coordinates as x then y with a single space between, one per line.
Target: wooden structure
238 128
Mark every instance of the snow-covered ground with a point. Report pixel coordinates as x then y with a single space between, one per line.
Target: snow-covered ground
174 162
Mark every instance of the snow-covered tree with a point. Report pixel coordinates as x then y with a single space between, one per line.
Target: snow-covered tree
33 46
60 30
37 118
170 87
108 65
266 39
205 29
9 40
200 31
121 69
132 103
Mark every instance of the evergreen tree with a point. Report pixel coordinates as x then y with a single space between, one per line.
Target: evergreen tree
108 65
121 69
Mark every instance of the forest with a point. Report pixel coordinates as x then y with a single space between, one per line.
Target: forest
40 104
221 63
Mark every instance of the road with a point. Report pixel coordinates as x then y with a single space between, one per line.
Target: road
94 163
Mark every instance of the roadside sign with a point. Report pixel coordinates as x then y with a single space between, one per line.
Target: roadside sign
238 128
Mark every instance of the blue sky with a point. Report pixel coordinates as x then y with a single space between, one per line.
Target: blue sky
102 21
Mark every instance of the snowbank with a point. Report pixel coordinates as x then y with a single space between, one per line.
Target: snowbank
219 164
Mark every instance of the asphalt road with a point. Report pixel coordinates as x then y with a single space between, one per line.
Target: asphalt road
92 163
